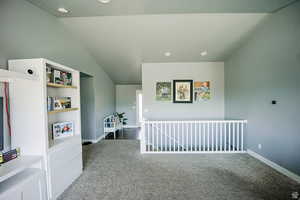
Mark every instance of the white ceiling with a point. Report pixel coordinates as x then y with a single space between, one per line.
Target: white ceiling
80 8
121 43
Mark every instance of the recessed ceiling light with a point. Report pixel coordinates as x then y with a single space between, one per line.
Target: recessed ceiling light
104 1
62 10
203 53
168 54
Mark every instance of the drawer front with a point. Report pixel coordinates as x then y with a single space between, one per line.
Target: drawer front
63 174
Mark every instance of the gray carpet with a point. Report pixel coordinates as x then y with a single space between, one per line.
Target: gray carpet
115 170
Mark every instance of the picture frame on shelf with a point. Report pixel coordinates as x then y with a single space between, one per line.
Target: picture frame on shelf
62 130
182 91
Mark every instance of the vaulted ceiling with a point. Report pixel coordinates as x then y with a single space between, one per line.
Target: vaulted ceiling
84 8
123 34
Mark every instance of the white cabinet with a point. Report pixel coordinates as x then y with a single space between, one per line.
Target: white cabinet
29 184
62 157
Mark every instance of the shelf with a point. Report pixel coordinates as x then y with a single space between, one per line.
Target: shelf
62 110
60 86
17 165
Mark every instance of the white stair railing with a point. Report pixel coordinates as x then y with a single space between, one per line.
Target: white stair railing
166 136
217 136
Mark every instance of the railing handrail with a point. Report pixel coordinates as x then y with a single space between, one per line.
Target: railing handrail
195 121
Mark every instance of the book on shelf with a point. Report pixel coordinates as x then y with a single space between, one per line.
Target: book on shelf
58 103
9 155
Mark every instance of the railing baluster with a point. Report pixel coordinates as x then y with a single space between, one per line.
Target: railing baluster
173 124
230 124
213 136
221 136
226 143
160 132
204 136
242 140
208 136
217 136
165 134
238 136
149 136
169 136
178 140
234 136
195 134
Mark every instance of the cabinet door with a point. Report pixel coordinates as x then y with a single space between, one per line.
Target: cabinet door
34 189
14 195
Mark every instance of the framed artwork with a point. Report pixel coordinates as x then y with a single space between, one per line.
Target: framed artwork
201 90
182 91
163 91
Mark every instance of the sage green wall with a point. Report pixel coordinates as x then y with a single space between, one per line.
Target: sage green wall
267 68
29 32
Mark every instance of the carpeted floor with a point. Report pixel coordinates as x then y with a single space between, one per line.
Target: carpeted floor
115 170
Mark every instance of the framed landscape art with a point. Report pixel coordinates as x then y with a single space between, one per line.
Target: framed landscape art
182 91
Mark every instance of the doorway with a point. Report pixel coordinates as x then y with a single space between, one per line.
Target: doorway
87 103
139 107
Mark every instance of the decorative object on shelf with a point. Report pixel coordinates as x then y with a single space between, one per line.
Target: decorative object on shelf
182 91
50 103
62 130
163 91
58 76
48 74
67 78
9 155
58 103
201 90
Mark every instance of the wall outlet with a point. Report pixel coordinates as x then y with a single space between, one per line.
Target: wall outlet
259 146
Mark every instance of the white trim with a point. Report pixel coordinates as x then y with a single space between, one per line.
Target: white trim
275 166
131 126
95 140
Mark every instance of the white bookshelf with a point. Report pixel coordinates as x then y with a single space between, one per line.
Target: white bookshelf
32 122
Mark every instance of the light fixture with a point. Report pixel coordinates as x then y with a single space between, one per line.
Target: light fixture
104 1
203 53
62 10
168 54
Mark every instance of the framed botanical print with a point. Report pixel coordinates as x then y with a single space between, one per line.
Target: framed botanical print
163 91
182 91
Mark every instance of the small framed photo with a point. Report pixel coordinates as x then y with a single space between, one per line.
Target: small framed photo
62 130
182 91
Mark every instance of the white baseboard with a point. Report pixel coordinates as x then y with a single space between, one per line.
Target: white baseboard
275 166
95 140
